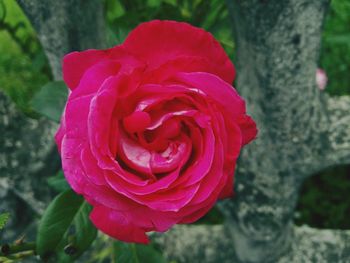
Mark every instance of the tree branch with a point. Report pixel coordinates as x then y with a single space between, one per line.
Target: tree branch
7 249
338 109
213 244
331 139
196 244
318 245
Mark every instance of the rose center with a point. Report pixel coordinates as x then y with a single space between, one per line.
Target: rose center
137 121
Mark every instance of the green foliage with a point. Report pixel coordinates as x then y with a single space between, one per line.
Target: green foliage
50 100
213 217
135 253
65 230
335 53
324 200
18 27
58 182
23 64
18 79
124 15
4 217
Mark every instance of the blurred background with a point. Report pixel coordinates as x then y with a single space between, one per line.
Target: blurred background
325 198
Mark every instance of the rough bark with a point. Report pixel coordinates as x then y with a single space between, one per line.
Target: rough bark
338 110
300 131
213 244
27 151
26 159
66 25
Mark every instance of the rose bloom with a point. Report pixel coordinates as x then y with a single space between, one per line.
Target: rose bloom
152 129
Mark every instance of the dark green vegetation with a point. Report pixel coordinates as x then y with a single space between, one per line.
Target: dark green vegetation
23 65
335 53
324 201
65 231
325 198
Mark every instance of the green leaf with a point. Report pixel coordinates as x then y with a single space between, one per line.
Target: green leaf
135 253
3 219
65 227
148 254
213 217
114 9
50 100
116 35
58 182
85 234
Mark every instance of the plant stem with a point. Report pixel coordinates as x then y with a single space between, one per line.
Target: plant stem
17 248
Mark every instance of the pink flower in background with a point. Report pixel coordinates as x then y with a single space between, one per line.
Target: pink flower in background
321 79
152 129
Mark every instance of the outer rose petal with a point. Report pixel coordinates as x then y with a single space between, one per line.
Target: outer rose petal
60 133
73 171
76 63
248 128
157 42
116 225
228 188
213 87
180 64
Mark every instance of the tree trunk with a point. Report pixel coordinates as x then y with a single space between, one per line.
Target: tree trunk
301 131
66 25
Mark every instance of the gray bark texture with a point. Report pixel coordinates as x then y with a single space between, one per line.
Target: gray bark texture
66 25
301 131
26 159
28 154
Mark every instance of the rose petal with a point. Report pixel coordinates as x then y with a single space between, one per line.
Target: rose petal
157 42
213 87
116 225
76 63
170 68
248 128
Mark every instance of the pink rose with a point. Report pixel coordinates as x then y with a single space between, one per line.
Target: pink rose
152 129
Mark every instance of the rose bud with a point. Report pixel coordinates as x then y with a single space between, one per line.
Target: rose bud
321 79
